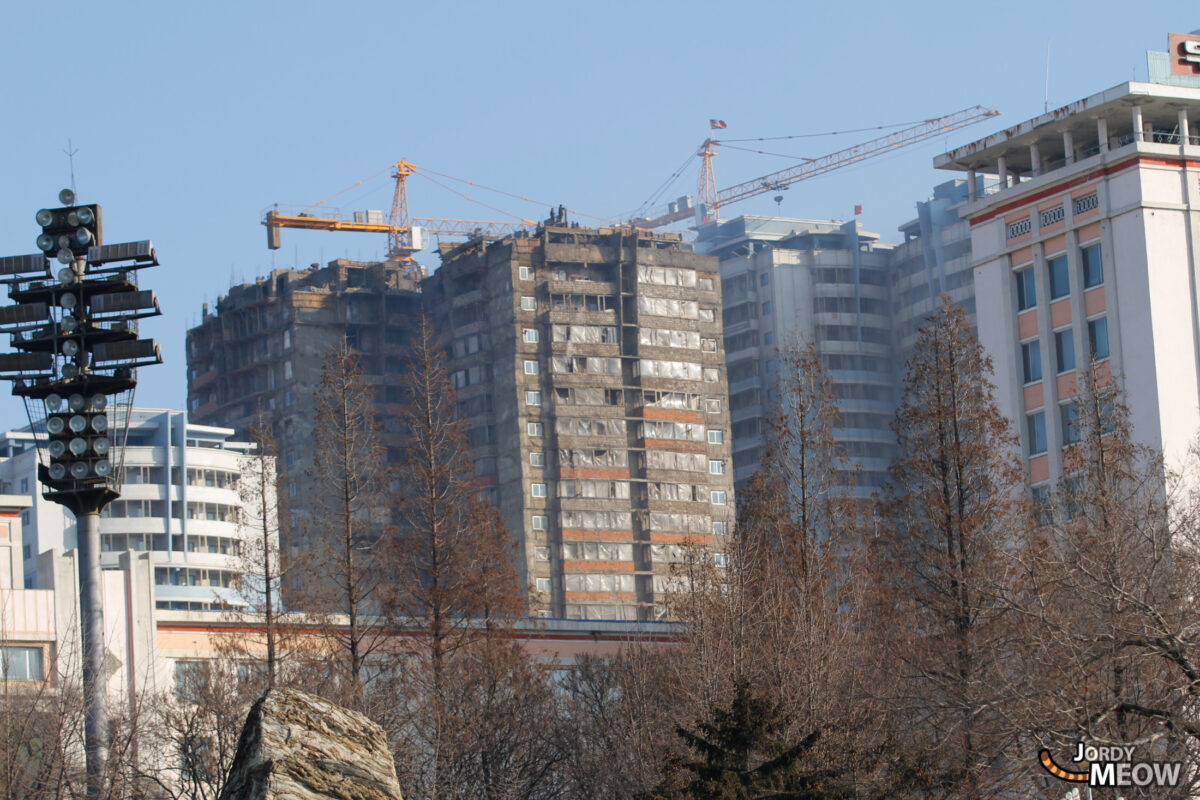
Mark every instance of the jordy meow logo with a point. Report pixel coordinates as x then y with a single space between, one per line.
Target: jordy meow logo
1112 765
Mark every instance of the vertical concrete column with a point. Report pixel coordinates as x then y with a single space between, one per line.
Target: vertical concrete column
1035 159
1002 171
1137 124
1102 134
1183 126
971 193
1069 146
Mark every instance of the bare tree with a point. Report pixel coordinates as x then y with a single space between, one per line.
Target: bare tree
348 527
953 513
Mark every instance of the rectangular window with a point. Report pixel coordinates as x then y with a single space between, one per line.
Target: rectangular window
718 498
716 437
21 663
1098 337
530 335
1069 416
534 428
716 467
1093 267
541 554
537 489
1064 350
543 585
538 521
1060 278
528 303
720 528
766 308
1031 361
533 398
712 405
525 273
537 459
1026 290
764 279
711 374
1035 425
24 485
531 368
287 370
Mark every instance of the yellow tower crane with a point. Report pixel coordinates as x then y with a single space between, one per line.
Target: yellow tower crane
405 236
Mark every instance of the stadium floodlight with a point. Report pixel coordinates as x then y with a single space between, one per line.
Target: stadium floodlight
75 330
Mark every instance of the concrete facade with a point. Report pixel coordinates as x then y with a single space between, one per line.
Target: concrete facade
1087 250
820 282
589 368
265 344
179 505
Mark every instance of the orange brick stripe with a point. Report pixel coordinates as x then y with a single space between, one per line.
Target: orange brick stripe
597 566
599 596
593 472
672 414
681 538
674 444
601 535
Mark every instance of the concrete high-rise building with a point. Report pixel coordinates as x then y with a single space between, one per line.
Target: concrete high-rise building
265 344
1087 250
821 283
933 260
179 502
589 366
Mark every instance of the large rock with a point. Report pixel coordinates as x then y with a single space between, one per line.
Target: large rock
296 746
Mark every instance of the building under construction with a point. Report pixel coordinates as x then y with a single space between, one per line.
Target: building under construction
265 343
589 368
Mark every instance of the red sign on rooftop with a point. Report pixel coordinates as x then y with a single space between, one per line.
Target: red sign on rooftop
1184 49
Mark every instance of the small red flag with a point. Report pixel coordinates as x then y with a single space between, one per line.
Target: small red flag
857 210
717 123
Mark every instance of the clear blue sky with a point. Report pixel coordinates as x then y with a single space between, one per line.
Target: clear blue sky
191 118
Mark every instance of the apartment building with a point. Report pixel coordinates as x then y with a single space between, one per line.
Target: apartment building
589 366
179 504
818 282
1086 252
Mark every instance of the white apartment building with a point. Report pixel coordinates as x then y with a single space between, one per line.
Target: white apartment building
1087 250
179 503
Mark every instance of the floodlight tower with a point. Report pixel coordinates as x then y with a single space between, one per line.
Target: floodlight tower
74 325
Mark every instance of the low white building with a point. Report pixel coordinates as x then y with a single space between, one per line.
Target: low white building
179 503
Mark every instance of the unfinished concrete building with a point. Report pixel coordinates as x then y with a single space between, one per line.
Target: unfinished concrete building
265 343
589 368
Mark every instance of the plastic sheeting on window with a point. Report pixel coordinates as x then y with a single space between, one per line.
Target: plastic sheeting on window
598 582
585 426
606 490
678 370
669 459
584 334
597 551
594 458
666 276
679 431
598 520
680 523
667 307
663 337
671 583
597 611
677 400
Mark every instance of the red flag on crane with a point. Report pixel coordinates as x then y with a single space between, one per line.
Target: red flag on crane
717 124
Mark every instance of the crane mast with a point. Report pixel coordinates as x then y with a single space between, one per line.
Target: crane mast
711 201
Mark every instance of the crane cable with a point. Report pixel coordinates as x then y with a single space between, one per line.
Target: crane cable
657 193
827 133
518 217
348 188
421 170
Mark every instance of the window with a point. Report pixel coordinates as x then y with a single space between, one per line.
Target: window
24 485
531 368
543 585
525 273
291 459
537 459
1093 267
716 467
720 560
1098 337
287 370
530 335
1068 414
537 489
534 429
1060 279
541 554
533 398
528 303
21 663
1026 290
1035 426
720 528
287 398
711 374
716 437
718 498
766 308
1031 361
538 521
712 405
1064 350
292 488
764 279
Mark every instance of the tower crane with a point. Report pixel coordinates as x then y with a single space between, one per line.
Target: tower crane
405 234
710 200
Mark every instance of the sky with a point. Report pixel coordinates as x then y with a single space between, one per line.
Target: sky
188 120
